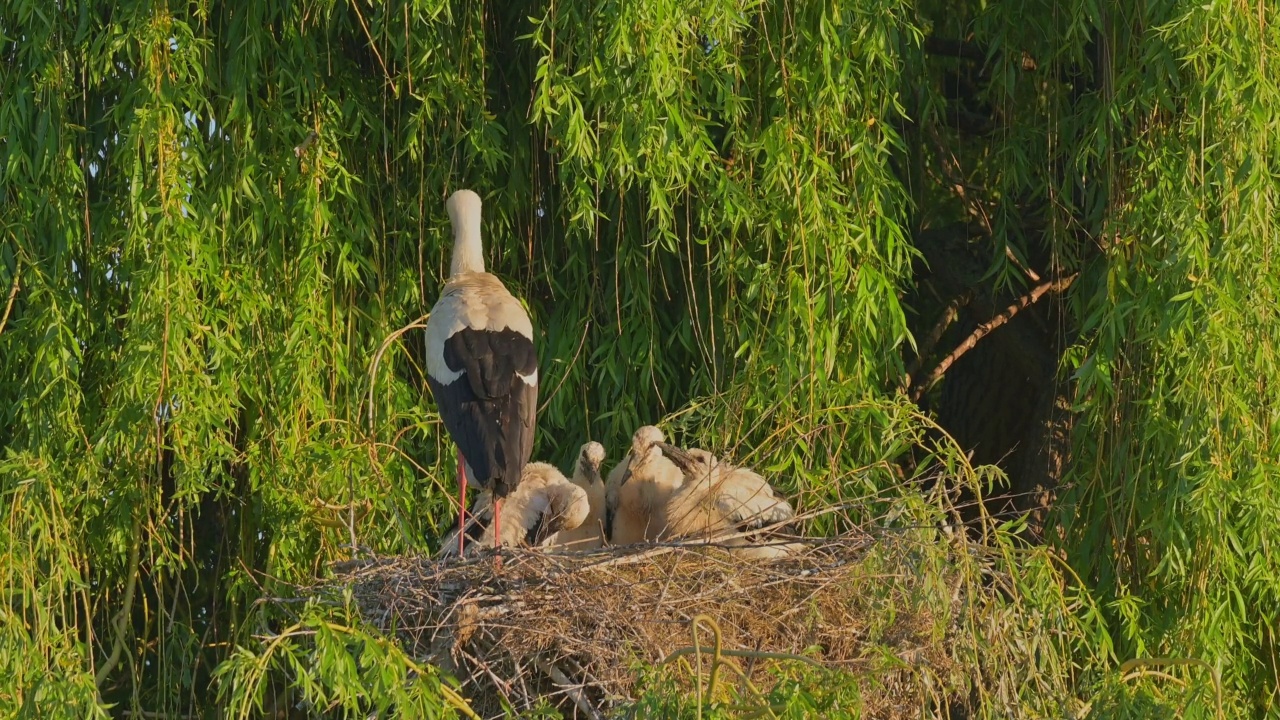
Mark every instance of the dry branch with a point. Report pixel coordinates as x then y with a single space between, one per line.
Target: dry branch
949 316
985 329
572 689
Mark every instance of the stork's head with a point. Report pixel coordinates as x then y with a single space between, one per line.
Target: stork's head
464 214
644 439
589 459
567 506
463 205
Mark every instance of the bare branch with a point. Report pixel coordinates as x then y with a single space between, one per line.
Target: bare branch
985 329
949 316
572 689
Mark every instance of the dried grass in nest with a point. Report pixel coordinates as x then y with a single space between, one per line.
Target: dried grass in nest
538 624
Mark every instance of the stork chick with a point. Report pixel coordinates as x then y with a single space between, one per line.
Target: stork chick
586 475
718 499
543 505
642 485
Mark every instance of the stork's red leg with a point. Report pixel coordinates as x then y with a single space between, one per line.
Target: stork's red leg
497 534
462 501
497 530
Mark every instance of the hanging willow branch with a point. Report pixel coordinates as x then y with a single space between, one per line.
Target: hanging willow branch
710 209
8 306
124 618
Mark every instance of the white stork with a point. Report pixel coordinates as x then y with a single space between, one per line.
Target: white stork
639 489
717 498
481 365
586 475
542 508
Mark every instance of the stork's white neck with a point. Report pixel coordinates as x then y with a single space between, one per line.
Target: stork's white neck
468 250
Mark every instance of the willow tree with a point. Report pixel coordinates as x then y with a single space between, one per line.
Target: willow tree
219 217
1136 143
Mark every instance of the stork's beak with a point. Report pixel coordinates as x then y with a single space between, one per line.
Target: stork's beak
590 470
682 459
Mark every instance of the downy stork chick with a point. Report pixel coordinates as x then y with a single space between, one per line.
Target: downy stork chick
643 438
644 485
481 365
586 475
718 499
542 506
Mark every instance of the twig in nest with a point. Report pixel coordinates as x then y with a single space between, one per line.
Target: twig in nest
756 654
504 688
985 329
494 628
572 689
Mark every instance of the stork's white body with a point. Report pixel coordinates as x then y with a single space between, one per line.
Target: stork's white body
481 363
473 301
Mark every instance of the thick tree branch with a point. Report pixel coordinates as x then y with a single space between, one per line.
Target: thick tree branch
949 316
985 329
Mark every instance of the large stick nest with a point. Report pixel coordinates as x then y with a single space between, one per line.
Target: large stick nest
521 625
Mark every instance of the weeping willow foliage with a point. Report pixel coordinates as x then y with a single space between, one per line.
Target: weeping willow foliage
1145 145
1177 517
215 217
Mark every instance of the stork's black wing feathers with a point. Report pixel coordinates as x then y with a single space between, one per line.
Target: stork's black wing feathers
489 411
540 531
490 359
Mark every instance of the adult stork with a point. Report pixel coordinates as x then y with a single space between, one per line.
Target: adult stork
481 366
